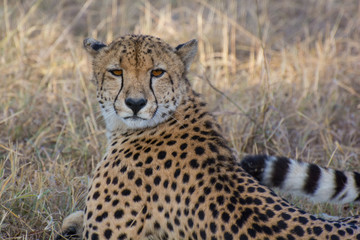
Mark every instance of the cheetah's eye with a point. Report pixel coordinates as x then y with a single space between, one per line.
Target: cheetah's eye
116 72
157 72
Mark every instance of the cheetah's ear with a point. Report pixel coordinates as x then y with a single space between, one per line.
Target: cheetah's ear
187 52
93 46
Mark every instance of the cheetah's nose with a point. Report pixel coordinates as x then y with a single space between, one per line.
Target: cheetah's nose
135 104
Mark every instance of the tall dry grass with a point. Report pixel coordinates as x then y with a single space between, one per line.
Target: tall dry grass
286 76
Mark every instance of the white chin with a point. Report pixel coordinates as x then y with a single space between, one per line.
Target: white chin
138 123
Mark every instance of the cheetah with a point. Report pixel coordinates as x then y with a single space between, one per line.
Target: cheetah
168 172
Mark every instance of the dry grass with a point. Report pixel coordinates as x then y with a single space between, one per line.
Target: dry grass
291 67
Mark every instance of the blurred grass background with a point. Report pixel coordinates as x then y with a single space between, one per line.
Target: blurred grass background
286 73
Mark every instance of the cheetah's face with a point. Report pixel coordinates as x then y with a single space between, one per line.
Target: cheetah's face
140 79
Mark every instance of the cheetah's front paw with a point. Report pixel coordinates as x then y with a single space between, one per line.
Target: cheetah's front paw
72 226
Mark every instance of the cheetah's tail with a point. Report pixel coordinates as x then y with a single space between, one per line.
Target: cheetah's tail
300 178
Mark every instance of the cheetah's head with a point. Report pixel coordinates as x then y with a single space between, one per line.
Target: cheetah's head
140 79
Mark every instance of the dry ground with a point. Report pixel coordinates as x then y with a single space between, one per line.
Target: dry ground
287 75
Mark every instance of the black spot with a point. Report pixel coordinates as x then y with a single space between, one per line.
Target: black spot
186 178
166 183
225 217
183 126
303 220
122 236
244 217
298 231
126 192
201 199
161 155
199 151
137 198
285 216
148 160
115 202
218 186
108 180
178 198
202 234
183 146
115 180
148 171
119 214
160 143
136 156
107 233
155 197
190 223
228 236
168 164
199 176
184 136
96 195
123 169
148 188
167 136
128 155
177 172
170 143
334 237
341 232
157 180
230 207
350 231
131 175
156 225
220 200
194 164
130 223
169 226
94 236
328 227
138 182
213 227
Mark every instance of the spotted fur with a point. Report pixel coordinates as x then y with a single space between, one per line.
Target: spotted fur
168 172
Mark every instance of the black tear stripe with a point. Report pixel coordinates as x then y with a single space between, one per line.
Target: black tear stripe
357 182
156 102
312 181
171 81
102 81
117 95
280 169
340 182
